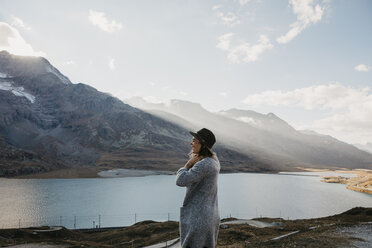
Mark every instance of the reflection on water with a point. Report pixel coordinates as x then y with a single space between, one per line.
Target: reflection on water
84 203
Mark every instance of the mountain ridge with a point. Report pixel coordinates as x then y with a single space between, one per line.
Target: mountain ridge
269 136
76 125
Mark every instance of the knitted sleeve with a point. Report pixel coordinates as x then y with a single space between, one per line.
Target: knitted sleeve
187 177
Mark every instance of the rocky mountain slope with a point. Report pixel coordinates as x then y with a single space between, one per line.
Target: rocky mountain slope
43 113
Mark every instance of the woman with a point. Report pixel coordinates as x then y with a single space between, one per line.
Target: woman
199 219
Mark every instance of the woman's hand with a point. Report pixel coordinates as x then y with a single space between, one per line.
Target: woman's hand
193 160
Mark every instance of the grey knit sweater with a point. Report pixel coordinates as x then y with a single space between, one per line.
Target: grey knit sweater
199 215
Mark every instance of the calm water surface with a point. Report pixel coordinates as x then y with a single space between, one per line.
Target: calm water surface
85 203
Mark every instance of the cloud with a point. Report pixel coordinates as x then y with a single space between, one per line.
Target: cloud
111 64
352 124
13 42
225 41
100 20
348 109
243 51
332 96
307 13
216 7
70 62
153 99
243 2
223 94
362 67
228 19
18 22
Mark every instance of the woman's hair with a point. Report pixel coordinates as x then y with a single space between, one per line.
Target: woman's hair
204 152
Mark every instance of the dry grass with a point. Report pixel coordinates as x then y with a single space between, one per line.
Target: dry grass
149 232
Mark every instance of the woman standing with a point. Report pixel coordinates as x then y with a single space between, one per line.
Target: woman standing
199 219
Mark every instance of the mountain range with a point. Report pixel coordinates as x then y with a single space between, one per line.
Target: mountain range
48 123
265 136
44 114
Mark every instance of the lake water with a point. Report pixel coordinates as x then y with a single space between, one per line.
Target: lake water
84 203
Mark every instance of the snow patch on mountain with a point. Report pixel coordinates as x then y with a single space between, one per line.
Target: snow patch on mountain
3 75
18 91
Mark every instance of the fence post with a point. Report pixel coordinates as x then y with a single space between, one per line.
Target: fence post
75 222
99 221
256 213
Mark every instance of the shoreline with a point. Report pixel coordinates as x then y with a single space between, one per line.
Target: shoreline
109 172
115 173
362 182
362 176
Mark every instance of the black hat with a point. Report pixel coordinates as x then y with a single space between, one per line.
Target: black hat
205 136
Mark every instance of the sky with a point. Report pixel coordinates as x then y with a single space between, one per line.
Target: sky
307 61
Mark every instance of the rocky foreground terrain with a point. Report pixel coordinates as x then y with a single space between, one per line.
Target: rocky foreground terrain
349 229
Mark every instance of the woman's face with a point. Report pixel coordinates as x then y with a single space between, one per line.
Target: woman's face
195 145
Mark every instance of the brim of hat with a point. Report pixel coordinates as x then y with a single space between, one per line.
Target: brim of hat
197 136
200 139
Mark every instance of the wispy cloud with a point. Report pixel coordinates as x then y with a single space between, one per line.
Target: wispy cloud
243 2
307 13
12 41
70 62
349 109
332 96
183 93
153 99
18 22
100 20
223 94
111 64
228 19
242 51
363 67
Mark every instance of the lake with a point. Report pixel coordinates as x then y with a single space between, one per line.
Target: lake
106 202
